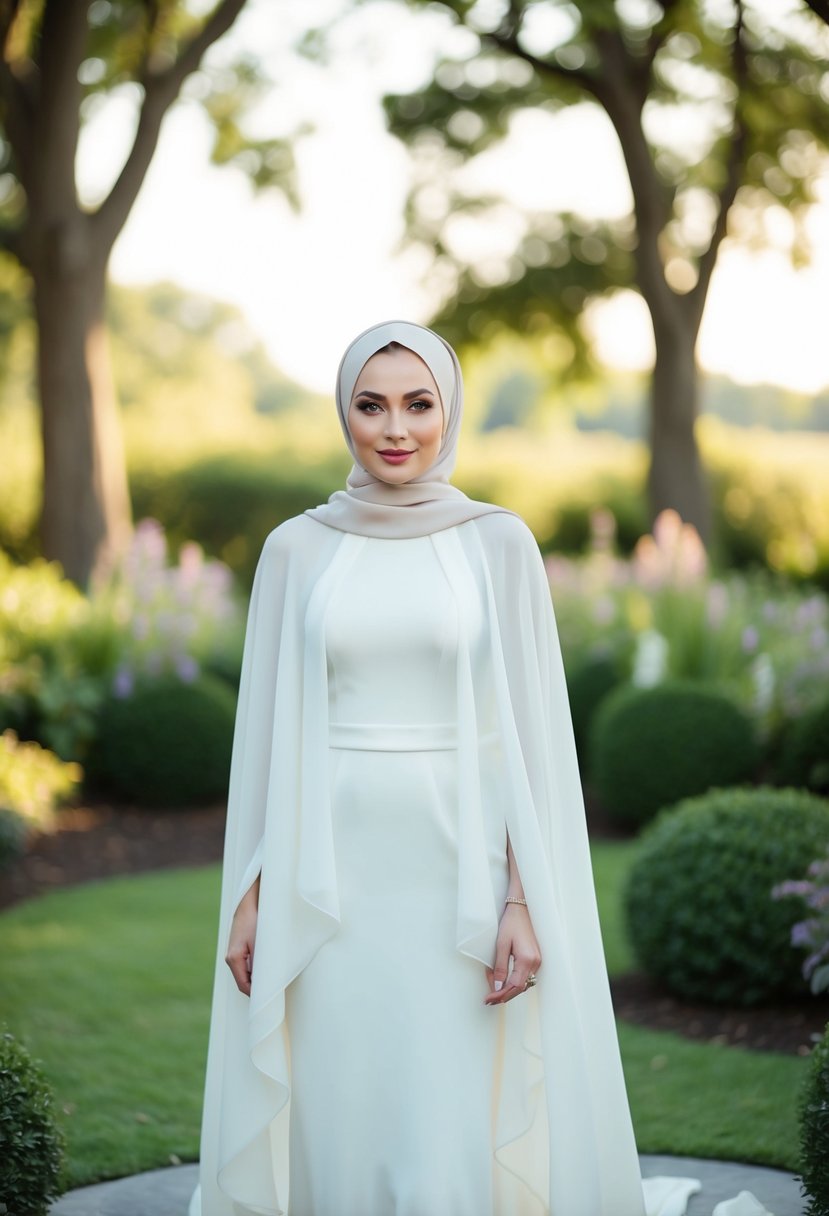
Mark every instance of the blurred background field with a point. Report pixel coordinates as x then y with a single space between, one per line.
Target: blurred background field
221 446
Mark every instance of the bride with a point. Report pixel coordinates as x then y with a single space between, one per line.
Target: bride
411 1014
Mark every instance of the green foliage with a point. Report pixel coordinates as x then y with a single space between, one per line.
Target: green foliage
63 651
232 501
651 747
663 614
168 744
31 1144
13 833
813 1113
588 684
804 758
698 901
33 782
129 41
54 657
767 128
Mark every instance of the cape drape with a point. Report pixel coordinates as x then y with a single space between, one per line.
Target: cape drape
563 1134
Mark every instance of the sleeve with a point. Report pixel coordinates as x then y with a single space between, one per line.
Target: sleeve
253 730
586 1102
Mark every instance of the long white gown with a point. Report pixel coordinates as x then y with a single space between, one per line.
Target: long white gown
401 702
394 1057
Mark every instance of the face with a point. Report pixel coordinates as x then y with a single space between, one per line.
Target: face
395 409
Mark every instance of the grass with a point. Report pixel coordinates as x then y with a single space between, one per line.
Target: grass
109 984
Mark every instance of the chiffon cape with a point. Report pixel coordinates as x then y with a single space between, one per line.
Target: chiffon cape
564 1142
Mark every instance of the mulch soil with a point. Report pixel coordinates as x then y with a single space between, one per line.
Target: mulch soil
99 841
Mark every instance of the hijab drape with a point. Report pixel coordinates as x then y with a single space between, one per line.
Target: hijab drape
428 503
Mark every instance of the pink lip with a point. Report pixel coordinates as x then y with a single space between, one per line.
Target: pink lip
395 455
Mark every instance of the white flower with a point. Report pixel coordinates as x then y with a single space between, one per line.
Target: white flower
762 674
650 661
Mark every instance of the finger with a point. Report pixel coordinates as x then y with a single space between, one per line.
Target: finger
237 961
517 981
501 968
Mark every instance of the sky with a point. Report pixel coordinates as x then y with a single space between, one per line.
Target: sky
307 282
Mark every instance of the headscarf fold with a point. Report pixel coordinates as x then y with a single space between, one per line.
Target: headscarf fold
428 503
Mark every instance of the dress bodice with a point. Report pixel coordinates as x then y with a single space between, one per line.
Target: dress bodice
391 634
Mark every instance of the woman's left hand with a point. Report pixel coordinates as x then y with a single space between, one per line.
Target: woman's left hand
517 939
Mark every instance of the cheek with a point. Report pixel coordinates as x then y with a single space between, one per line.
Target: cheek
360 426
429 431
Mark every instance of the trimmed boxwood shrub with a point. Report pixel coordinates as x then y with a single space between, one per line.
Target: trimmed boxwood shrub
168 744
650 747
32 1146
588 684
698 898
804 755
813 1115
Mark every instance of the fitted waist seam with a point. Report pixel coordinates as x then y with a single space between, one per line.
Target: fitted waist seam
399 736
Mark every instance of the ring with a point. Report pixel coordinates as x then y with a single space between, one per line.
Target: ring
530 981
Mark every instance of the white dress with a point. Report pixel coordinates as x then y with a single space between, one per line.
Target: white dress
402 702
389 1014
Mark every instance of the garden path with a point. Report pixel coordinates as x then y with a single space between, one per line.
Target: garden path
167 1192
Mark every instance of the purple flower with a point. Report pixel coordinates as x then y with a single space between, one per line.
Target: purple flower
187 668
802 933
750 639
123 683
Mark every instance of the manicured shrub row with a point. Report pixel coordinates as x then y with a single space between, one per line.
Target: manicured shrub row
587 686
32 1146
804 758
229 503
167 744
698 900
651 747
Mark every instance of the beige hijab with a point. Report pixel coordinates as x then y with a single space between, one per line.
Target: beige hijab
428 503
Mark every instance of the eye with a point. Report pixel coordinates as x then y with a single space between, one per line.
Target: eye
421 406
368 407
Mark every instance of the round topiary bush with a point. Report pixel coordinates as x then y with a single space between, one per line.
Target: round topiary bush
698 900
813 1113
32 1146
13 832
650 747
588 684
804 754
169 743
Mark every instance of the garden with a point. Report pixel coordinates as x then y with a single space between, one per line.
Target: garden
701 716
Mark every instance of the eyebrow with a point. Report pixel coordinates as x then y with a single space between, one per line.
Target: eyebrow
417 392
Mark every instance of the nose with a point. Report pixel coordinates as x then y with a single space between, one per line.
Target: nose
395 424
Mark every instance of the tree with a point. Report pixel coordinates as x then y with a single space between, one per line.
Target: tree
57 54
757 93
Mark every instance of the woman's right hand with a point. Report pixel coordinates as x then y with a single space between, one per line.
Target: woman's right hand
239 957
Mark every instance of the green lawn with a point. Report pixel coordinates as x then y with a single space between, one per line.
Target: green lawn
109 986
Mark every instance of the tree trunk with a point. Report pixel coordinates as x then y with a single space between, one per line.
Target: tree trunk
675 474
86 515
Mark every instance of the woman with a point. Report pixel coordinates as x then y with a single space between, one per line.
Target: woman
411 1014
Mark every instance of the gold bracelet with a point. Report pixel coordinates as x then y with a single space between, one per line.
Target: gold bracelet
514 899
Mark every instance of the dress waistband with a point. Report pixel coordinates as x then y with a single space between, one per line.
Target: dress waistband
398 736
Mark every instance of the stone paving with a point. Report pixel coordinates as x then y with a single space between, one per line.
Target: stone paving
167 1192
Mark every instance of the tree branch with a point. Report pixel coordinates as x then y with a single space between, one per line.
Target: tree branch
509 43
160 90
820 8
736 155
